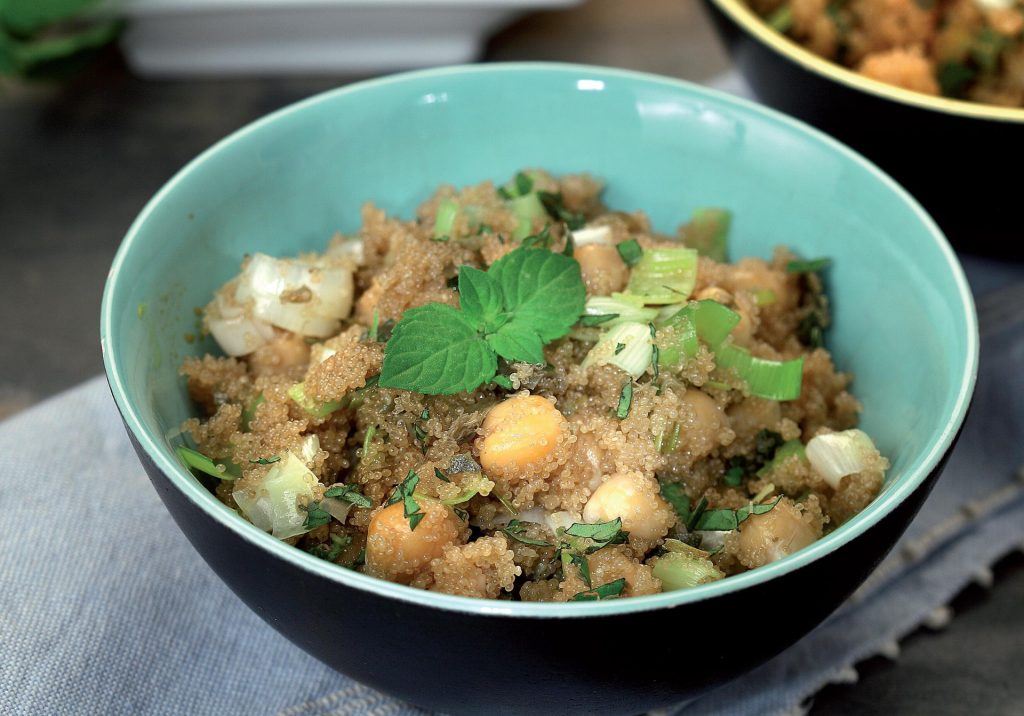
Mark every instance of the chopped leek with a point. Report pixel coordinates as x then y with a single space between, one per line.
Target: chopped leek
526 208
836 455
592 235
277 504
708 232
713 321
250 412
447 211
775 380
680 570
195 460
470 487
621 307
785 451
315 408
676 341
635 358
665 275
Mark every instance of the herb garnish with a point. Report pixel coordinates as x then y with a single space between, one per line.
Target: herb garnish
581 539
348 493
726 520
625 401
808 265
675 496
630 251
440 475
527 298
698 511
516 531
605 591
338 545
554 204
316 515
404 492
266 460
598 319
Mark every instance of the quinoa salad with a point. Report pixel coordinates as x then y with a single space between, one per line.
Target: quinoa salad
522 394
964 49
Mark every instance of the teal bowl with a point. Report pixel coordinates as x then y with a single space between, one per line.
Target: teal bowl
904 323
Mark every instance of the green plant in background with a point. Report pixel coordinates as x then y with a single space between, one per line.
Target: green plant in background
50 38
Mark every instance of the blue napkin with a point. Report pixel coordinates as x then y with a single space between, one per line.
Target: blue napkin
106 609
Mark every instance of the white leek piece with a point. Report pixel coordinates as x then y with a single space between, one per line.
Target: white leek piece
275 504
836 455
627 345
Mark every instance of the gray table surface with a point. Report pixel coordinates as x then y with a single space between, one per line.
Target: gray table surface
78 161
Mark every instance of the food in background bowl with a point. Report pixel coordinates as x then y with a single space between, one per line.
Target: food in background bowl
965 49
536 398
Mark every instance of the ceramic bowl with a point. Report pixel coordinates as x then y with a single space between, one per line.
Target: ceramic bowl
946 152
904 323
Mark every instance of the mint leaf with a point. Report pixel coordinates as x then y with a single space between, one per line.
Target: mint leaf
479 297
543 289
435 350
527 298
516 341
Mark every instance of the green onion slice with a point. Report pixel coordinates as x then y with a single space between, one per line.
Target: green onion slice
665 275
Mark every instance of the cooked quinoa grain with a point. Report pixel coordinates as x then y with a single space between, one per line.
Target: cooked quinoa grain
523 395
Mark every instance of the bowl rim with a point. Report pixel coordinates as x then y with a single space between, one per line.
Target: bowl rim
192 489
754 25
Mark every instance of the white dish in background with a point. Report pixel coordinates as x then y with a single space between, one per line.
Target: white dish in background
177 38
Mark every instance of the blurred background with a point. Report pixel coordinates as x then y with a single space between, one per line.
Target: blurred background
101 103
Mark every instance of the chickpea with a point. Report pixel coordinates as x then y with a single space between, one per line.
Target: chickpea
396 553
635 500
703 422
518 434
773 535
604 271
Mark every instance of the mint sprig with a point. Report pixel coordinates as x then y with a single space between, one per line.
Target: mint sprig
526 299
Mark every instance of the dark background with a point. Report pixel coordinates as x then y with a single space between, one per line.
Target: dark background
79 160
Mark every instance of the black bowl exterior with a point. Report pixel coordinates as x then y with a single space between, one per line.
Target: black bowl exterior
950 163
617 664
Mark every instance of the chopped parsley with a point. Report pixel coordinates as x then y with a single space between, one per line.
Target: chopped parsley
605 591
630 252
516 531
675 496
440 475
726 520
348 493
527 298
581 539
734 476
554 204
598 320
625 401
694 519
316 515
808 266
619 347
266 460
331 553
404 493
